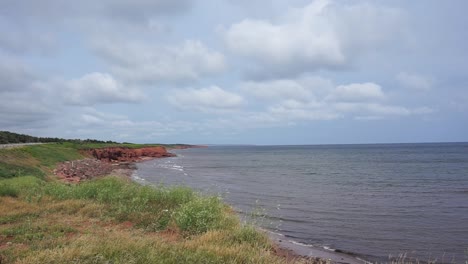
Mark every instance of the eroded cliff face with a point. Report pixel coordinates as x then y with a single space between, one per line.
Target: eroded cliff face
122 154
113 160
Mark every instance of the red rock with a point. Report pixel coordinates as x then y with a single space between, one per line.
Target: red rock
100 165
122 154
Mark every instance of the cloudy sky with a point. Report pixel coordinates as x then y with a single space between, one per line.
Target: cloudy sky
236 71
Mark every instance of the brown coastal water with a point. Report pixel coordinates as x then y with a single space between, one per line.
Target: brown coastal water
369 200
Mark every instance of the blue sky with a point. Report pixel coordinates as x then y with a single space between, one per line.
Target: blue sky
235 72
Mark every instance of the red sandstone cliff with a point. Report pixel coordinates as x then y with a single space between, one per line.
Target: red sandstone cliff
122 154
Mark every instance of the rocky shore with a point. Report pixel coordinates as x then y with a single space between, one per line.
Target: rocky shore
105 161
122 154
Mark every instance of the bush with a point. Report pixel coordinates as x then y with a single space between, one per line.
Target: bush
199 215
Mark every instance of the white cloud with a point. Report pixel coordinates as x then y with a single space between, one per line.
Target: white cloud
294 110
357 92
30 100
321 35
94 118
141 62
415 81
90 122
205 99
90 119
315 98
305 88
94 88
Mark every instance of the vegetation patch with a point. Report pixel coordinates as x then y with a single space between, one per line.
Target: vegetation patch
12 170
113 220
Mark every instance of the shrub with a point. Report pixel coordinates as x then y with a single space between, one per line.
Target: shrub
199 215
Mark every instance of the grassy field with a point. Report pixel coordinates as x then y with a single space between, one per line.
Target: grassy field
113 220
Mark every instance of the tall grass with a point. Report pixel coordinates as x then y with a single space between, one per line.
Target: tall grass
113 220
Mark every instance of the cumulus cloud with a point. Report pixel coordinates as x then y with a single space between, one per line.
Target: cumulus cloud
94 118
205 99
141 62
277 89
316 98
357 92
321 35
415 81
305 88
27 100
96 88
292 110
90 122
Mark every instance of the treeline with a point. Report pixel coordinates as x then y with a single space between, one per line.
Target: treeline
7 137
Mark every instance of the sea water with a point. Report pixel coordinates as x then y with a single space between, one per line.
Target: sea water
374 201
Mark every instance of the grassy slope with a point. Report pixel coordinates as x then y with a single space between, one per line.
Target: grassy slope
112 220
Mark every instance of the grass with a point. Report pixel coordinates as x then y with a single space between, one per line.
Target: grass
113 220
36 160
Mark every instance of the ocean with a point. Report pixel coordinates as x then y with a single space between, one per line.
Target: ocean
374 201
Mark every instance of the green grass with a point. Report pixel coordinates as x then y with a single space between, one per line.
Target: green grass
13 170
200 215
49 155
146 207
113 220
36 160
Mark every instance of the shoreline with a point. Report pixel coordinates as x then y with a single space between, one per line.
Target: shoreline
127 168
303 251
285 248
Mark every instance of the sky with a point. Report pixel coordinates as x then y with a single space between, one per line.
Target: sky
236 72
